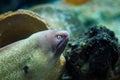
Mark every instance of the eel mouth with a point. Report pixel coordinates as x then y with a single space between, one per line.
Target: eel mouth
61 45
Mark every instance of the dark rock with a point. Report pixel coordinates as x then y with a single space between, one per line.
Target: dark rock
95 55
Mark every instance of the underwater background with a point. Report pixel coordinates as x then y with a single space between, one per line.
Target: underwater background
93 52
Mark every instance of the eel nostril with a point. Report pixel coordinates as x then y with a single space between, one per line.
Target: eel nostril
26 69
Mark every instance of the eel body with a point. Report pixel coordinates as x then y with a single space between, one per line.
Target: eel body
34 58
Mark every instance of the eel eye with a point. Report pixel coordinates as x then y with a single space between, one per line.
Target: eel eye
59 37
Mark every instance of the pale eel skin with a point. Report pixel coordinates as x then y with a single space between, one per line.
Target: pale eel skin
34 58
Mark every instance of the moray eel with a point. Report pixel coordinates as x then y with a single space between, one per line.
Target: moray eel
34 58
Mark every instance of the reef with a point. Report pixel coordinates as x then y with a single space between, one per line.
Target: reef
94 56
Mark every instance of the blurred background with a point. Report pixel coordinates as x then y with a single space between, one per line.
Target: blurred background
6 5
72 13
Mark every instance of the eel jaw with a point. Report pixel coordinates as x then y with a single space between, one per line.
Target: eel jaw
61 45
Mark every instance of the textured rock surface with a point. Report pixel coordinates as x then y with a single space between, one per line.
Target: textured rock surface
94 56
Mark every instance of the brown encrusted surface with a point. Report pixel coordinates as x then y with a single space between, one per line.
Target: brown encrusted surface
18 25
